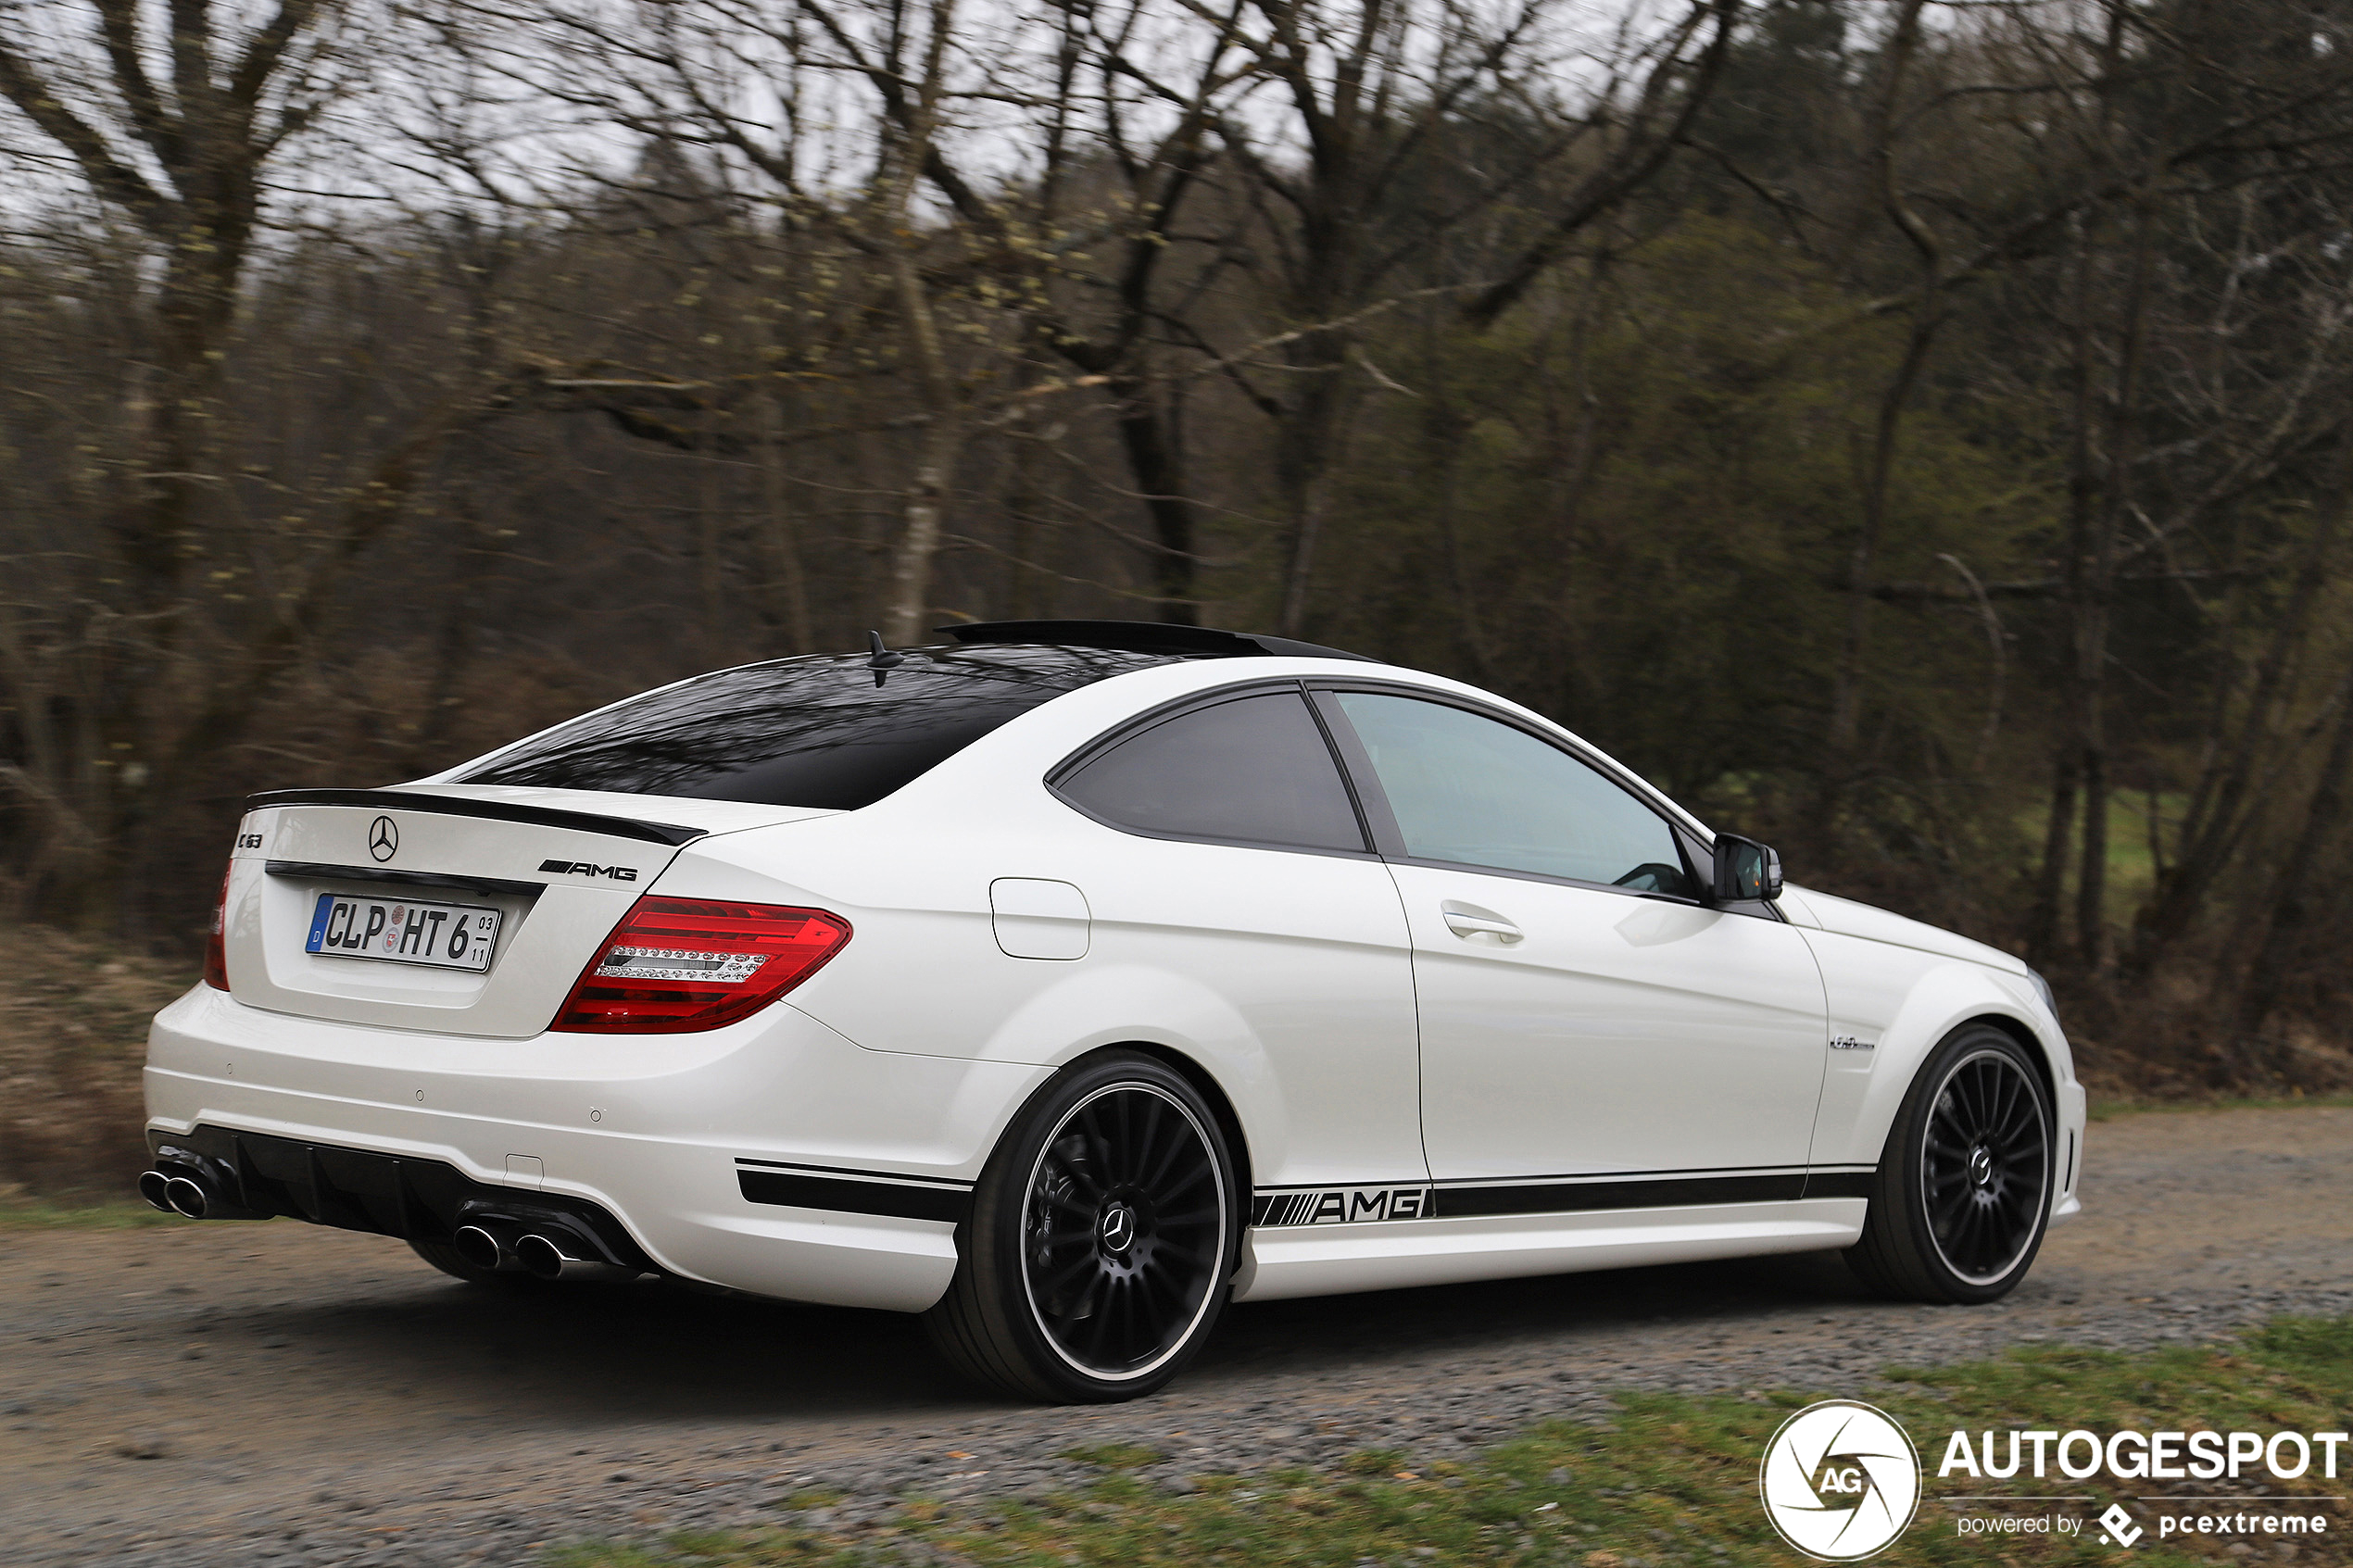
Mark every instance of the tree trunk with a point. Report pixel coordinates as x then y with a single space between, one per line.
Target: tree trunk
907 614
1156 461
783 531
2210 834
1303 462
1928 316
2281 922
2097 601
907 619
1846 683
2044 942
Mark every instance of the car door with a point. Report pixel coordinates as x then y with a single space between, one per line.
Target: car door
1239 902
1586 1018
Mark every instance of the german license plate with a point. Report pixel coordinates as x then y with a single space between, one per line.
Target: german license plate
403 931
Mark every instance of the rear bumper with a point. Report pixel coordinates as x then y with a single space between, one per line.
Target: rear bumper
775 1157
382 1193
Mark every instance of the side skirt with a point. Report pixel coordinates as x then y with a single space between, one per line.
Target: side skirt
1311 1259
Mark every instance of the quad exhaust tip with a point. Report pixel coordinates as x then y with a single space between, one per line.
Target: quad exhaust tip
485 1249
179 1189
546 1259
185 1195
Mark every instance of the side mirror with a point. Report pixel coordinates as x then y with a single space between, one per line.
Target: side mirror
1745 871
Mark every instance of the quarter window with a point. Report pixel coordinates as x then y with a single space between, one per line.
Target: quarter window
1473 790
1254 771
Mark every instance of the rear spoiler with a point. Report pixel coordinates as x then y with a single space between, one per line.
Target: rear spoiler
494 810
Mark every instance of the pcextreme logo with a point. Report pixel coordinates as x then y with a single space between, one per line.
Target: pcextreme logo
1839 1480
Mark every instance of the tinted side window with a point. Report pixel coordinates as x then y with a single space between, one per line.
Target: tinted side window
1468 789
1256 769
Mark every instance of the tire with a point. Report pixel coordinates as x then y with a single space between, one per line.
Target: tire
1963 1192
1100 1247
442 1256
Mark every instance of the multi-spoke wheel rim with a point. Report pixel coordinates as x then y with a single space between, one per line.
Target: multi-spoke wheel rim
1124 1231
1985 1166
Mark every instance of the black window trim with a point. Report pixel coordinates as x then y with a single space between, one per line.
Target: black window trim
1389 838
1375 821
1194 702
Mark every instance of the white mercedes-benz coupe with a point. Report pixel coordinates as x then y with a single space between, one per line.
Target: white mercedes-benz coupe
1069 980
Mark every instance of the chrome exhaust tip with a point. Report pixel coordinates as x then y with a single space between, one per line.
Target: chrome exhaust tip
541 1257
152 1185
484 1248
185 1195
548 1260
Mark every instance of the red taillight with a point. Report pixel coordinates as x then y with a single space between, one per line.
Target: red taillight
680 964
216 947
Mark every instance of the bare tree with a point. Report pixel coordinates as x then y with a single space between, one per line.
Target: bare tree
1373 93
171 134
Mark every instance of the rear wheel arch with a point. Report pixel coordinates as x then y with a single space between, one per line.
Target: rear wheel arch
1007 1319
1205 1083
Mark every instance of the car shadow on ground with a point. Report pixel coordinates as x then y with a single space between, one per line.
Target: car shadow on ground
585 1356
1494 1317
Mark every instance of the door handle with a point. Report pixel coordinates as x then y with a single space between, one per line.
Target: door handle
1467 924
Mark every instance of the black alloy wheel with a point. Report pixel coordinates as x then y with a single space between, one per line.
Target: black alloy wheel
1102 1239
1963 1194
1124 1229
1986 1165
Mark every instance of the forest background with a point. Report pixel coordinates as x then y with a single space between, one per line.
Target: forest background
1917 434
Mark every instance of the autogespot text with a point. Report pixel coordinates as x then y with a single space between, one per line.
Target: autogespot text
2151 1456
2231 1458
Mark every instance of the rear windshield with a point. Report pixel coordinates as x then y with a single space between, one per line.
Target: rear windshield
804 732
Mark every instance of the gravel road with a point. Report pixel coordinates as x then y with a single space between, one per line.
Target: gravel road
231 1394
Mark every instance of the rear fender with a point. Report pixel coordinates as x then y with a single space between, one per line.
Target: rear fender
1085 1011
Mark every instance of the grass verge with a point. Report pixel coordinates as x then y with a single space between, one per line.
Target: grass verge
1672 1480
20 1214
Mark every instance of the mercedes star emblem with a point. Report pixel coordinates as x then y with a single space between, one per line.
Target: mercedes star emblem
383 838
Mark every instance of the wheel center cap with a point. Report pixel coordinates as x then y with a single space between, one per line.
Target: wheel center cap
1981 1166
1115 1227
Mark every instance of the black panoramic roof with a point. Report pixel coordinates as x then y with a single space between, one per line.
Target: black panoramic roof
1145 636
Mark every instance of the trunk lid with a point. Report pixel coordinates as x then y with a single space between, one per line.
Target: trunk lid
561 867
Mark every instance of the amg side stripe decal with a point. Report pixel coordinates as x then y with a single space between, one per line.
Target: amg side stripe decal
1840 1183
1566 1177
951 1182
853 1192
1337 1206
843 1190
1332 1206
1649 1192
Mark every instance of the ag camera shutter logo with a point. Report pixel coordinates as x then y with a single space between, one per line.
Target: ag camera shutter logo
1840 1481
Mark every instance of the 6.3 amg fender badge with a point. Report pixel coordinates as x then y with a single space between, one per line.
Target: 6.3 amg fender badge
589 868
